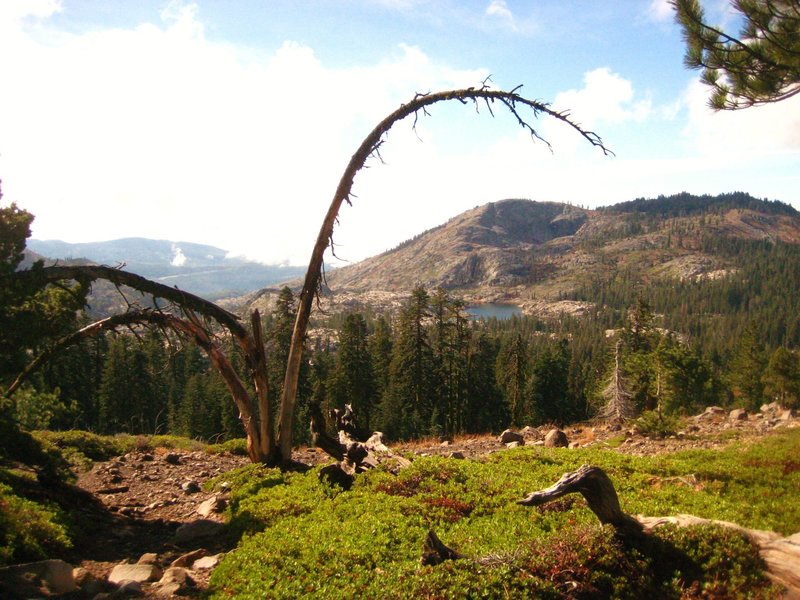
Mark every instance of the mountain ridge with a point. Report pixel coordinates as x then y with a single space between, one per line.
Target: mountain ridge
538 255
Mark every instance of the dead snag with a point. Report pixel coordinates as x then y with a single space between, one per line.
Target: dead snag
354 453
598 490
434 551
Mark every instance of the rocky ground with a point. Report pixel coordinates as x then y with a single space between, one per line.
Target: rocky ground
159 531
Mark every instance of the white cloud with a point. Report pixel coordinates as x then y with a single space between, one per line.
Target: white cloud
660 10
188 138
606 97
499 8
768 129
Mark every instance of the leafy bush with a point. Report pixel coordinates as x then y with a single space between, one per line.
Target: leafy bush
29 530
652 424
304 539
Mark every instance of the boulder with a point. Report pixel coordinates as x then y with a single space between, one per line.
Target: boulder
529 431
509 436
786 415
556 438
46 577
137 572
738 414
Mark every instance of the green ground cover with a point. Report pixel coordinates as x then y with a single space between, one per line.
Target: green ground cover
302 538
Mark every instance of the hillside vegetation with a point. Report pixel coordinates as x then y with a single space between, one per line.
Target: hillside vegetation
302 538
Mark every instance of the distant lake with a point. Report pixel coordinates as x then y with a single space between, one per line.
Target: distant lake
501 312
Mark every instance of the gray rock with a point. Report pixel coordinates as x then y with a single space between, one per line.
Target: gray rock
511 445
215 504
195 530
556 438
190 487
207 562
786 415
509 436
149 558
173 458
179 575
187 560
457 455
139 573
574 445
738 414
45 577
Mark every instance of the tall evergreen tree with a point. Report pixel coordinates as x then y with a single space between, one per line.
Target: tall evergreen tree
353 380
513 370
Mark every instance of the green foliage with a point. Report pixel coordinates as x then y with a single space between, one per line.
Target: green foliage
757 66
40 410
29 530
304 539
657 425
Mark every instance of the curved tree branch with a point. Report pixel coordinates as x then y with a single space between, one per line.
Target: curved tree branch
512 101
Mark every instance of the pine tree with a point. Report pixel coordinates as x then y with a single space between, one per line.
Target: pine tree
512 369
353 379
782 378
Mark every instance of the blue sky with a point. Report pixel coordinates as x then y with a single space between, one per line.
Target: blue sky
229 122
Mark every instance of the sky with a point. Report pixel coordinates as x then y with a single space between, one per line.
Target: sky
229 122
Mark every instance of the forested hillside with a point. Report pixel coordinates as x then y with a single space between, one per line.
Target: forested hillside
690 302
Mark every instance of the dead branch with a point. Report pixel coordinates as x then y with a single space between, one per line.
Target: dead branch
512 101
596 487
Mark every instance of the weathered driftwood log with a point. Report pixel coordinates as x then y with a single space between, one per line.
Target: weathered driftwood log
353 454
594 485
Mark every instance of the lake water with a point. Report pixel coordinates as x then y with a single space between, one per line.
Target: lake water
500 312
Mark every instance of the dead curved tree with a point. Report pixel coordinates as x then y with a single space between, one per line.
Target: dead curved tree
511 101
198 320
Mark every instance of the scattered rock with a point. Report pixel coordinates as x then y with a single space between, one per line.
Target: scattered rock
190 487
510 445
151 558
710 413
528 431
140 573
187 560
37 579
556 438
738 414
207 562
215 504
786 415
457 455
172 458
509 436
574 445
195 530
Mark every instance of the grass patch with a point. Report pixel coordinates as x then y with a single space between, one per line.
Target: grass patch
301 538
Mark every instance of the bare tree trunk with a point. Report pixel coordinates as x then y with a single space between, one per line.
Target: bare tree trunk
369 147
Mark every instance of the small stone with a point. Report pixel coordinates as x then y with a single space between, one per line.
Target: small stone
457 455
511 445
128 588
574 445
215 504
190 487
177 575
786 415
738 414
188 559
138 573
172 458
556 438
145 457
149 558
194 530
444 443
207 562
